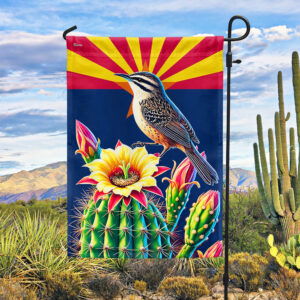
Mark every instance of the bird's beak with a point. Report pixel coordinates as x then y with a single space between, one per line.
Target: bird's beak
126 76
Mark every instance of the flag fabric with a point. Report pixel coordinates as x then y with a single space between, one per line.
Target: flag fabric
144 146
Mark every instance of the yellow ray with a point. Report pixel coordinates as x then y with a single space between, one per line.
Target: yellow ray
107 46
209 65
81 65
157 43
183 47
134 45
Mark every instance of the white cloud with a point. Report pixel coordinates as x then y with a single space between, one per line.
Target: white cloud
33 151
21 81
6 19
281 32
134 8
44 92
253 85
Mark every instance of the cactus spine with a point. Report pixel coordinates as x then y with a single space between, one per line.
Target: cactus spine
125 232
120 219
280 193
201 222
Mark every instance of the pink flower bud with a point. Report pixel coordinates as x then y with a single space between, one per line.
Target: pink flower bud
211 198
87 142
215 250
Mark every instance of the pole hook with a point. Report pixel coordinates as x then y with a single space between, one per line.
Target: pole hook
239 38
68 31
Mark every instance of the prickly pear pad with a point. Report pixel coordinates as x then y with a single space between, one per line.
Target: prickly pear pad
140 185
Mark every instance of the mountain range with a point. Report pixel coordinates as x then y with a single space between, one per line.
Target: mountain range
49 182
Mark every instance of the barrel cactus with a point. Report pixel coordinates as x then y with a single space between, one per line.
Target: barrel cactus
280 189
127 231
122 217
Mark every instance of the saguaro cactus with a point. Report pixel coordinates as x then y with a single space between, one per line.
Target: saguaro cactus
280 190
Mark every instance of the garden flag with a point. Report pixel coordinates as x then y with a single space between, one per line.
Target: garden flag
144 146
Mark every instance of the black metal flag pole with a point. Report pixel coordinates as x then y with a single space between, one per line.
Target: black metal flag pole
229 63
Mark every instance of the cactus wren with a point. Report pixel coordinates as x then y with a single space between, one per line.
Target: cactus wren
162 121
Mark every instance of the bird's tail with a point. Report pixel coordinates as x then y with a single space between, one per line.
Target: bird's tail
204 169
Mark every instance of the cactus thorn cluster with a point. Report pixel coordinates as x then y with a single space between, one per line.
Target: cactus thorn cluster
124 232
201 222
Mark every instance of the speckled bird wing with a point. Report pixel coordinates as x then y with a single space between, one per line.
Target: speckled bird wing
160 114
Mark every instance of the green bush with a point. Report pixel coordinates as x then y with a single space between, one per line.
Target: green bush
248 271
50 209
248 229
184 288
32 246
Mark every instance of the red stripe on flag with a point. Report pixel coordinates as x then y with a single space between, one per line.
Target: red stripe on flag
167 48
212 81
145 45
204 49
91 52
123 47
79 81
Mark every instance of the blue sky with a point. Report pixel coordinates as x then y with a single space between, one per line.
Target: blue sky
32 69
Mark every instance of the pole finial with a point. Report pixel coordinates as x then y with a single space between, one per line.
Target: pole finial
68 31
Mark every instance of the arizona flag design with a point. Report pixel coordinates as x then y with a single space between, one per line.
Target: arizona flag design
144 146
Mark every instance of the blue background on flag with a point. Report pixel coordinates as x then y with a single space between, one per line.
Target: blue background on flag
104 113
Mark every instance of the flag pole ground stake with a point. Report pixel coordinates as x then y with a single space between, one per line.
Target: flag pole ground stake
229 62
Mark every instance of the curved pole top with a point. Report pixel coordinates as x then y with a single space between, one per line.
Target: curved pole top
68 31
228 39
232 19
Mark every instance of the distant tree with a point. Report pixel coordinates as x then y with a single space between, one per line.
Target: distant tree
60 205
32 201
21 202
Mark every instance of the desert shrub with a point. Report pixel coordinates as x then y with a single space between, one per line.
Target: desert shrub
247 271
286 283
183 267
208 267
63 286
11 289
184 288
42 207
9 246
33 246
60 205
119 265
140 285
152 271
32 202
105 286
249 229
